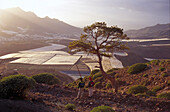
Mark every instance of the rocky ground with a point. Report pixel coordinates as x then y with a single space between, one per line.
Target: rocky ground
53 98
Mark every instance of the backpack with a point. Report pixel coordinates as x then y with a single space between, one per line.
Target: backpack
81 84
91 84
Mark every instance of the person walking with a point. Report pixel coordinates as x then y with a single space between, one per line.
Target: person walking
90 86
81 88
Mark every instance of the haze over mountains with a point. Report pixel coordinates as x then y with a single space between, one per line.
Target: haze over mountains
157 31
15 20
16 24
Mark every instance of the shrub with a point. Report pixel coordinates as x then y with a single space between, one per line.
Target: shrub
161 69
156 88
98 79
156 62
164 95
99 74
111 71
94 71
145 75
137 89
136 68
70 106
15 86
97 85
164 75
108 85
102 109
46 78
150 93
140 94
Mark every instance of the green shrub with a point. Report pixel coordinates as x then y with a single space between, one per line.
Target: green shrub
156 62
46 78
102 109
70 106
98 79
137 89
97 85
140 94
136 68
164 95
164 75
161 69
99 74
94 71
145 75
156 88
15 86
108 85
150 93
111 71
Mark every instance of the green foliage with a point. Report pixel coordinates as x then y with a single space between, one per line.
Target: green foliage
164 95
137 89
164 75
108 85
70 106
145 75
97 85
111 71
94 71
99 74
99 79
15 86
140 94
161 69
102 109
156 62
150 93
156 88
136 68
101 31
46 78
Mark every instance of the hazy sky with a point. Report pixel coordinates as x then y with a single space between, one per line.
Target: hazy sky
128 14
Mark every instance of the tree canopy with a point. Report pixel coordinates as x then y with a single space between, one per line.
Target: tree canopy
100 39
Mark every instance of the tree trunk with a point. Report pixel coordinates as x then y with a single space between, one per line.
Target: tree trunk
114 83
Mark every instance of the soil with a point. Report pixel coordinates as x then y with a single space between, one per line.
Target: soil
53 98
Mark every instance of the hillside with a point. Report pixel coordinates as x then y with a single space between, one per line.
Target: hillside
53 98
16 22
157 31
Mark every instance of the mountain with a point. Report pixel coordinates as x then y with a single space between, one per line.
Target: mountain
15 20
157 31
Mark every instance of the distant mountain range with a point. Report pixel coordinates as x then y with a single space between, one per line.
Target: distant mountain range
157 31
15 21
16 24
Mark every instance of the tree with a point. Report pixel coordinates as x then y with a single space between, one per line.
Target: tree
100 40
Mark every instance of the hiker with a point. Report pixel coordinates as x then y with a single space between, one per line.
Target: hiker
81 88
90 86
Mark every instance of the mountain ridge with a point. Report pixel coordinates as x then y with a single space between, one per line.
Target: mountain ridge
156 31
16 17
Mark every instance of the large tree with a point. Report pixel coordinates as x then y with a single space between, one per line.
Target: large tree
100 40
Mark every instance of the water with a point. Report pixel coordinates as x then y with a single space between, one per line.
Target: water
52 47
